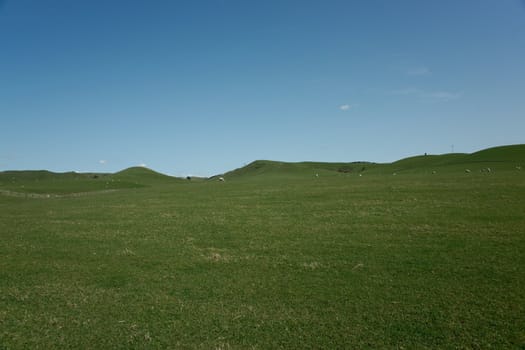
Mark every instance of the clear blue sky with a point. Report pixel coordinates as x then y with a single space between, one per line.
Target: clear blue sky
202 87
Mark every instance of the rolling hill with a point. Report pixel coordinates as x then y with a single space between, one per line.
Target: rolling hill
502 158
142 176
267 168
46 182
499 158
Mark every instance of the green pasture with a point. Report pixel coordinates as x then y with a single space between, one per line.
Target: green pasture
279 255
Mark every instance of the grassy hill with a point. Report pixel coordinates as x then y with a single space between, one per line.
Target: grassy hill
269 168
142 176
504 158
46 182
42 181
501 154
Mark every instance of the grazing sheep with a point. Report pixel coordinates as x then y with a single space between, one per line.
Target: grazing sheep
433 172
467 171
518 168
221 179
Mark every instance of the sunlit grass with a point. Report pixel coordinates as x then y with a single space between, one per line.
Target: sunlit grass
414 261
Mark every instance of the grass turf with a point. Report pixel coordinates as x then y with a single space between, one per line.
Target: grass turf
341 261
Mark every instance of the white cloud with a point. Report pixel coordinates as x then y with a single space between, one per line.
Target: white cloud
142 165
102 161
347 106
428 95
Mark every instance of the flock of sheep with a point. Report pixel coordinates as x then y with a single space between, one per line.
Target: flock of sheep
468 171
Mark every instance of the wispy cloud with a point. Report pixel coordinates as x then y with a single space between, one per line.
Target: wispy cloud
102 161
142 165
443 96
348 106
419 71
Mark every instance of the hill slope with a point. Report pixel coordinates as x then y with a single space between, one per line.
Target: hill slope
501 158
267 168
503 154
43 181
46 182
142 176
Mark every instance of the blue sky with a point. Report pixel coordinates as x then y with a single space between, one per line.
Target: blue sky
202 87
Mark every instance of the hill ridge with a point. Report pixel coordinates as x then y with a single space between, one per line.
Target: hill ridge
512 156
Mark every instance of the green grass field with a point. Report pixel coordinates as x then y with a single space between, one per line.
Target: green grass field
274 257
